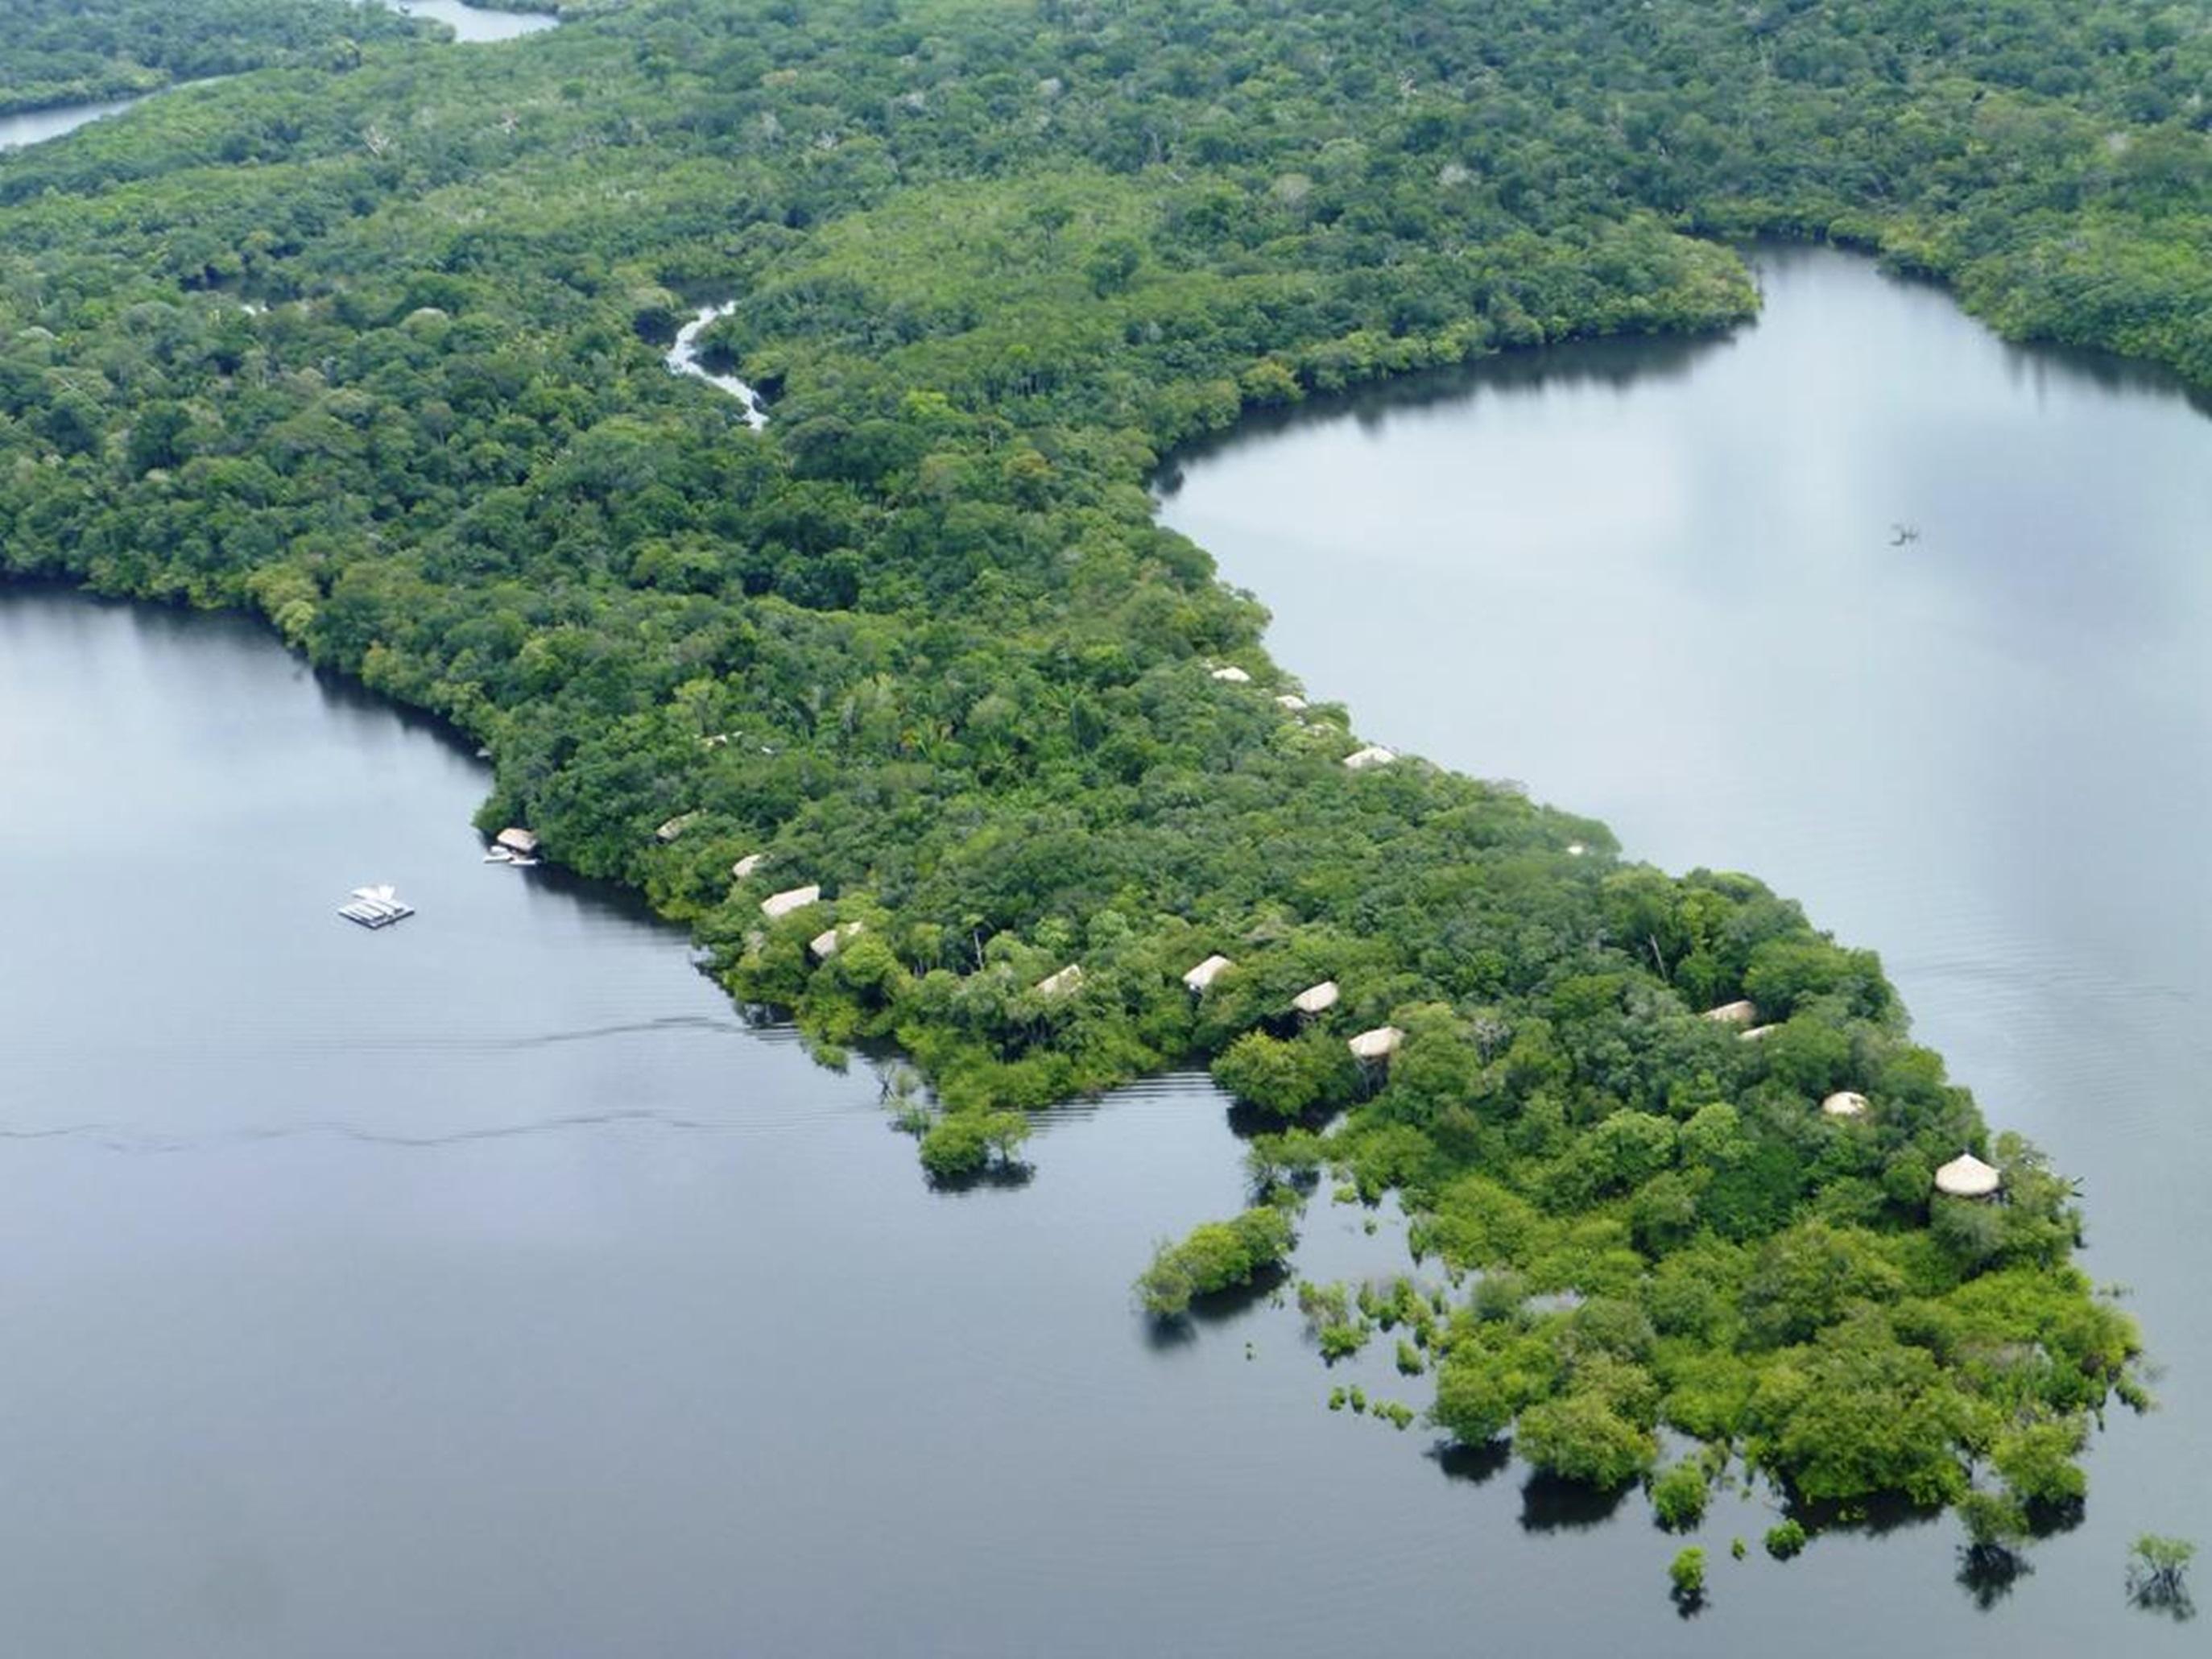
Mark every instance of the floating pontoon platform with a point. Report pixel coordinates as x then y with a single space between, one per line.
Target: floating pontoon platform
375 907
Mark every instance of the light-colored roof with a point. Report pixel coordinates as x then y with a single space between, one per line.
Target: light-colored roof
825 944
676 826
1316 998
1297 705
794 898
1233 675
517 840
1206 972
745 865
1733 1014
1576 850
1373 754
1378 1044
1967 1176
1845 1103
1757 1033
1059 984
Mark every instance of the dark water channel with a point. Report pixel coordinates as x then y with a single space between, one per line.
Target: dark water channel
482 1287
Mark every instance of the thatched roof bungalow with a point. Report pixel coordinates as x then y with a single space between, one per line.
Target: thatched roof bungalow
1757 1033
1845 1103
1206 972
523 844
778 905
1733 1014
745 865
1380 1043
823 946
1316 998
1967 1176
1367 759
676 826
1232 675
1296 705
1059 984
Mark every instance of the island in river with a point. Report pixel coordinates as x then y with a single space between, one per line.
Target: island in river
921 651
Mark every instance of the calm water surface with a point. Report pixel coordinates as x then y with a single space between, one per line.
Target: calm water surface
483 1287
36 126
472 24
1663 583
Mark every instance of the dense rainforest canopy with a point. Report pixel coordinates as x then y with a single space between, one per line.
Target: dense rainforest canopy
64 51
375 347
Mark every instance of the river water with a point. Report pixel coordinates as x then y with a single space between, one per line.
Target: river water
482 1287
1917 626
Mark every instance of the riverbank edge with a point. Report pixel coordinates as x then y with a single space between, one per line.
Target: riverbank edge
743 984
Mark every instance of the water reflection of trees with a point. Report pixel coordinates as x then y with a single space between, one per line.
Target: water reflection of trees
1551 1503
1619 364
1476 1465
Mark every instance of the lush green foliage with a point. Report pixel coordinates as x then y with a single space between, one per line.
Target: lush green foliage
375 349
1686 1572
1217 1255
68 51
960 1144
1678 1494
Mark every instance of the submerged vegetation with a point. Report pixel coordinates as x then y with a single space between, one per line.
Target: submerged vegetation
376 349
1217 1255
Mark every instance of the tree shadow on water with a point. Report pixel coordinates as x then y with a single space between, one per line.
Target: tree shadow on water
1000 1175
1167 1333
1870 1517
1551 1503
1987 1572
2048 1518
1475 1464
2174 1603
1235 1301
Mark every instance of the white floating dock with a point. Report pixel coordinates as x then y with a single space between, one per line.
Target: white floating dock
375 907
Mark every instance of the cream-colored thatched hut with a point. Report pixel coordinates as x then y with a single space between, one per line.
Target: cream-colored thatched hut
745 865
1845 1103
1206 972
777 905
1059 984
1297 705
523 844
1967 1176
1366 760
676 826
1733 1014
1316 998
1757 1033
1380 1043
1232 675
825 944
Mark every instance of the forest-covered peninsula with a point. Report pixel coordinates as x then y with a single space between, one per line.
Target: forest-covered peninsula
375 347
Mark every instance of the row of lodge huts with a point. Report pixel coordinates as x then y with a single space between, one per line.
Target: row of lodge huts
1964 1176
